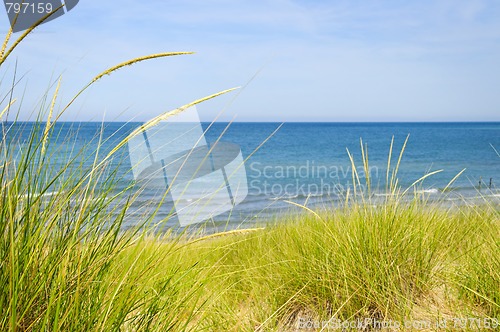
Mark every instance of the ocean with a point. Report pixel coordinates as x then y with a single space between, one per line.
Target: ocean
308 163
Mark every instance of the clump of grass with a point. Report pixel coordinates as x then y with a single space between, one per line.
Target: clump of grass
60 240
61 235
399 262
479 280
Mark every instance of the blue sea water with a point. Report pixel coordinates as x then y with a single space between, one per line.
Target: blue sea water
308 163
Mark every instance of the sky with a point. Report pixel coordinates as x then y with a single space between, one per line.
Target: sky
301 60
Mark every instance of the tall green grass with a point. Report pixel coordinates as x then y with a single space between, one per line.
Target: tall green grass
66 265
61 229
393 262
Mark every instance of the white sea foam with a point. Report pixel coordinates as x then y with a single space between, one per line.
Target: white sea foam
50 193
383 194
428 191
310 195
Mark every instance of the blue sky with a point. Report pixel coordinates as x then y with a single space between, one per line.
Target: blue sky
305 60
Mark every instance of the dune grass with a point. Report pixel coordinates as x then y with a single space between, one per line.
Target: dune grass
398 262
66 264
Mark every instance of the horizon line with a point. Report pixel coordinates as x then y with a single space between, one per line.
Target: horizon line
294 121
